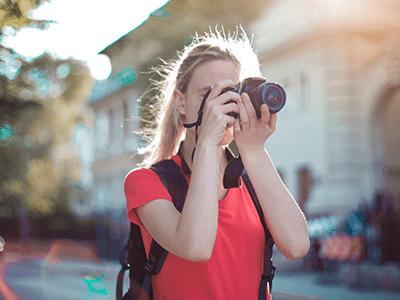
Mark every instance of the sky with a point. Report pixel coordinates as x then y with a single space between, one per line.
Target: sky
82 28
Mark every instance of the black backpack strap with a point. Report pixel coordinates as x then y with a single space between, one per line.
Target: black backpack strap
133 257
233 172
123 259
269 268
173 179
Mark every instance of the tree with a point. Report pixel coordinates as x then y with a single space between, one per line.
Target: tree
15 13
41 103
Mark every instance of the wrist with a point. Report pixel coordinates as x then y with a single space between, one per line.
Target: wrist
252 152
253 156
206 145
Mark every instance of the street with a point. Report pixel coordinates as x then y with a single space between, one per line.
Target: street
65 280
291 286
73 280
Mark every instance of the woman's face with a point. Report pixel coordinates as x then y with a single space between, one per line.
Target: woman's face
204 77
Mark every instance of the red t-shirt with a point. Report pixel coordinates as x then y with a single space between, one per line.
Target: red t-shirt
235 267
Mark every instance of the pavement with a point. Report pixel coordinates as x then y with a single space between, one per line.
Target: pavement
295 280
307 286
292 279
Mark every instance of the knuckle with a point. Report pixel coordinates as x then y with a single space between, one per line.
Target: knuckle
209 106
221 120
245 122
215 111
218 86
234 96
251 113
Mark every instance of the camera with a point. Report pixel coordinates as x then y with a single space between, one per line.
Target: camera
260 92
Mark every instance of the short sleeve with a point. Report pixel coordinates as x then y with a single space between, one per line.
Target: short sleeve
142 186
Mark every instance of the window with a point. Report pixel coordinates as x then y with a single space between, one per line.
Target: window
102 130
290 90
305 181
125 124
304 91
117 131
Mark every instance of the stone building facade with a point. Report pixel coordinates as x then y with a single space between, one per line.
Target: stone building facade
117 104
339 63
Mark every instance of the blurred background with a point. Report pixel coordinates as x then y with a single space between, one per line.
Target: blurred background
75 77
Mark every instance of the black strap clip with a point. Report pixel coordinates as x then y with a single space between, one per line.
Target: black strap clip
150 264
270 276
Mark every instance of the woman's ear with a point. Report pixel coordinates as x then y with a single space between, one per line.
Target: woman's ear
179 99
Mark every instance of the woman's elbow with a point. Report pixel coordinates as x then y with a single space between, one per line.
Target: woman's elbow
202 258
200 255
198 252
298 251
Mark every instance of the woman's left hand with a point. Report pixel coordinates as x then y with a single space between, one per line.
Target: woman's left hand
250 133
283 217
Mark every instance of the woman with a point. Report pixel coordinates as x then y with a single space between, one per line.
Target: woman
216 244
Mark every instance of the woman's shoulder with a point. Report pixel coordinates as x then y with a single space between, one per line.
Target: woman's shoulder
140 173
147 173
140 182
142 186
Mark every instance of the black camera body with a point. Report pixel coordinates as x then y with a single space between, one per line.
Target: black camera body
260 92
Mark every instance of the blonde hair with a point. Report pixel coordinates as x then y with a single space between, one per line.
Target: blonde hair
168 131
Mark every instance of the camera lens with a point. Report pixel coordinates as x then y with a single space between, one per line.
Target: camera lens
273 95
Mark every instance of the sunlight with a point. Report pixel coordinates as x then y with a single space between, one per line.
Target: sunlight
100 66
80 29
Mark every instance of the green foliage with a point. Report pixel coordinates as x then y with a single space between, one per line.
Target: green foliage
41 103
6 132
15 13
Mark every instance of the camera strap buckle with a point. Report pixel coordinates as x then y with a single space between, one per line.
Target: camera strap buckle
233 171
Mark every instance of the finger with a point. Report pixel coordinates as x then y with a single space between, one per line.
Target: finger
217 89
228 121
265 114
225 99
220 114
272 121
227 102
230 108
244 118
236 125
251 112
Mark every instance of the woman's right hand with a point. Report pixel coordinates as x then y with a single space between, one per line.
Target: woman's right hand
215 119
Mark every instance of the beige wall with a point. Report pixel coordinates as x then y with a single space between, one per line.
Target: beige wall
339 47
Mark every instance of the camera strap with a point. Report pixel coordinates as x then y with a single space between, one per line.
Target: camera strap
235 167
199 119
199 114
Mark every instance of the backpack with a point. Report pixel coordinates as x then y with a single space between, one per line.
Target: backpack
142 269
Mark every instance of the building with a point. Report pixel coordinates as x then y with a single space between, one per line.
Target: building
114 147
117 103
339 64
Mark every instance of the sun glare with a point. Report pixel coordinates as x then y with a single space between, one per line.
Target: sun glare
80 29
100 66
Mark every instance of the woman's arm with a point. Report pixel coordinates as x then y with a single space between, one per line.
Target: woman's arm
191 235
284 218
